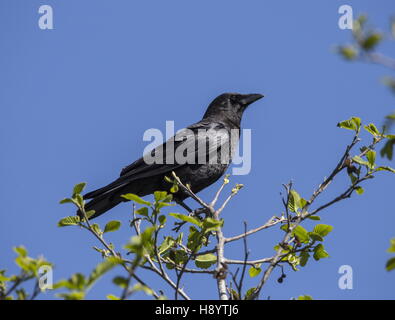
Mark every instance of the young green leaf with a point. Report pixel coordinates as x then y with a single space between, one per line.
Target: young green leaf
387 150
162 219
322 229
305 297
78 188
112 226
135 198
371 156
319 252
315 236
371 41
302 234
359 190
348 124
304 257
168 243
391 249
205 261
143 211
160 195
390 265
385 168
186 218
66 200
295 201
254 271
360 161
21 250
69 221
314 217
372 129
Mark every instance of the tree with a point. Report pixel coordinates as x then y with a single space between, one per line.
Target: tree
154 248
364 48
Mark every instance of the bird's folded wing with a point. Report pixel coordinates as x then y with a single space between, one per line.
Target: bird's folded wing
188 139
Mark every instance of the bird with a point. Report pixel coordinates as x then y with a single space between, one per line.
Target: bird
220 123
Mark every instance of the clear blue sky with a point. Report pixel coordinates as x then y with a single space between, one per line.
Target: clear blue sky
75 102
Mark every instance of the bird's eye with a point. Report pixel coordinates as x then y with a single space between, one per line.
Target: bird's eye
234 98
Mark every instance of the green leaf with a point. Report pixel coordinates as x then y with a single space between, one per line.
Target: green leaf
112 297
295 201
390 265
21 294
79 200
304 257
162 219
174 188
21 250
76 282
160 195
27 264
97 229
357 122
102 268
387 150
168 243
305 297
210 224
66 200
372 129
391 249
371 156
194 239
302 234
385 168
315 236
359 190
186 218
146 236
250 293
135 198
360 161
72 295
145 289
353 178
78 188
371 41
143 211
121 282
4 279
254 271
90 213
314 217
205 261
69 221
234 295
319 252
322 229
112 226
348 53
348 124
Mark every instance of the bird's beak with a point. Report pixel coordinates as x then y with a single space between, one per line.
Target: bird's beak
250 98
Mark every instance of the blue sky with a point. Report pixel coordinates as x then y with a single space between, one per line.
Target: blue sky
75 102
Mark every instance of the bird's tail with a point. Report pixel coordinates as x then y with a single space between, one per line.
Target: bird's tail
102 203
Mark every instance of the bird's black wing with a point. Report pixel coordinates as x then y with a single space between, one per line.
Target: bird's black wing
141 169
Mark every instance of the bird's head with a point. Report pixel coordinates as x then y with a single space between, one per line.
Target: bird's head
230 106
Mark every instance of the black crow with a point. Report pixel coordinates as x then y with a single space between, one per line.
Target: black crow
199 155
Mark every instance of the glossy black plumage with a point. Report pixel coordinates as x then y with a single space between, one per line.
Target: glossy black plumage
222 116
